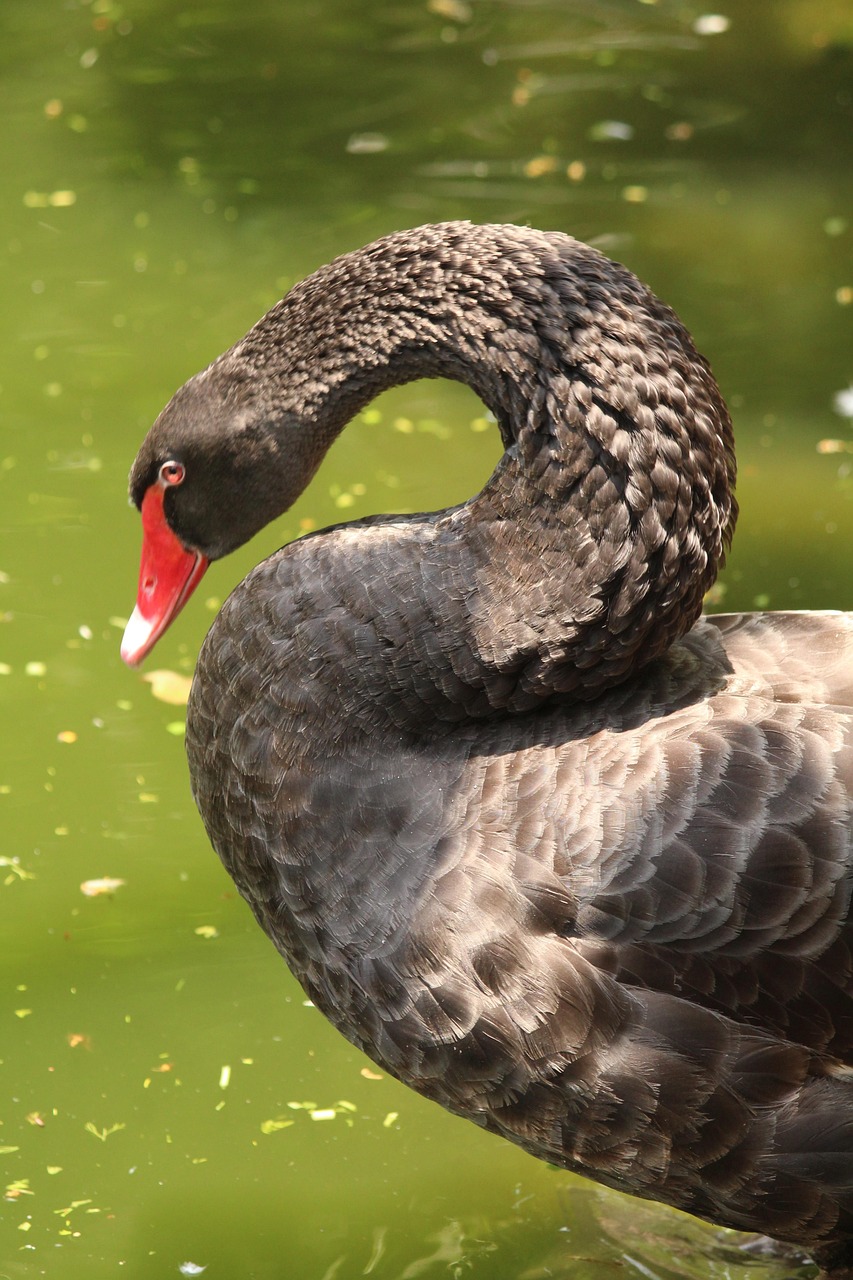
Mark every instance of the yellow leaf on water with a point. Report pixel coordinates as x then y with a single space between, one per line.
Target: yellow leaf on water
272 1126
20 1187
539 166
169 686
455 9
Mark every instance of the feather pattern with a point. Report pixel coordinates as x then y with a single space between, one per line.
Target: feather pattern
562 856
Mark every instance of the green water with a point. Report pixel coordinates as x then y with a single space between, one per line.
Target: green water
168 170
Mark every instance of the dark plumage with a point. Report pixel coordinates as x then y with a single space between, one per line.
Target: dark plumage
555 853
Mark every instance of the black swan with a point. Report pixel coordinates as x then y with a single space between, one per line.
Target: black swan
547 846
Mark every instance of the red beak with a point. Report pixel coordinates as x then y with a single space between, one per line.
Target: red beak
168 575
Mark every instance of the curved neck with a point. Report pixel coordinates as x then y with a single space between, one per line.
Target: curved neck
590 549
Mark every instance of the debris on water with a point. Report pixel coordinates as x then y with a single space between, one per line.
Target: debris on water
15 871
21 1187
842 402
611 131
273 1126
711 24
365 144
206 931
49 199
102 1134
106 884
539 166
169 686
834 446
456 10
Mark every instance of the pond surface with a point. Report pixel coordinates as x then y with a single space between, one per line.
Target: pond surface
168 1101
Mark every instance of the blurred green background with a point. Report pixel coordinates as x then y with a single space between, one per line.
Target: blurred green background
167 1101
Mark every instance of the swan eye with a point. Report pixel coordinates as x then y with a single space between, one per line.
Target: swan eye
172 473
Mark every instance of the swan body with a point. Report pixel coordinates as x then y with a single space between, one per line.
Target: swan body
552 849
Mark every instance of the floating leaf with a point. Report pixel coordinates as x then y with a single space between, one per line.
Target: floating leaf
20 1187
272 1126
101 1135
454 9
169 686
16 871
539 166
75 1204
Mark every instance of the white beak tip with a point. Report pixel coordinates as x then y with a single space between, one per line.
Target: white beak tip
139 636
